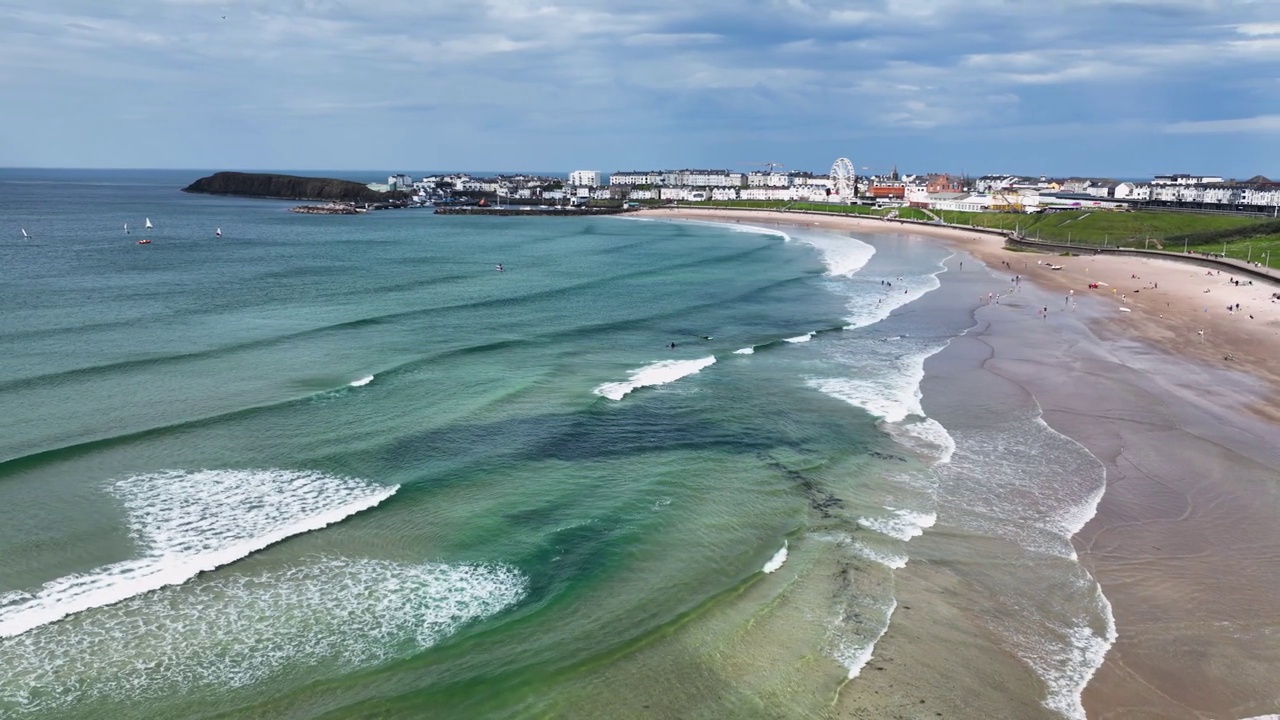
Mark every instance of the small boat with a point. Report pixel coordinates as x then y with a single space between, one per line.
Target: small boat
144 242
148 225
25 236
126 228
217 233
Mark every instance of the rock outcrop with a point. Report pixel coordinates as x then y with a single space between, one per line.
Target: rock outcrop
288 187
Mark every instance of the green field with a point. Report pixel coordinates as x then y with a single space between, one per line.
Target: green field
1243 238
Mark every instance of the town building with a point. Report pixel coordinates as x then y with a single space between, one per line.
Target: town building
585 178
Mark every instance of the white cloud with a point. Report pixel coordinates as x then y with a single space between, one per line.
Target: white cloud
666 39
1254 29
1250 125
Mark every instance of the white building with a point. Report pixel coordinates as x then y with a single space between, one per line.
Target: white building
724 193
1183 179
585 178
917 193
960 202
768 179
1265 195
766 193
636 178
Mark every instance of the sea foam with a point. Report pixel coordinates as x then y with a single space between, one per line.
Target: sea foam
186 523
659 373
362 381
775 562
330 615
842 256
901 524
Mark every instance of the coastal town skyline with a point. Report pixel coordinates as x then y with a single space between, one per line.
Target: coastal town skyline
1122 90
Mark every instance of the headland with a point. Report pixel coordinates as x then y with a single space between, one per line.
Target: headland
289 187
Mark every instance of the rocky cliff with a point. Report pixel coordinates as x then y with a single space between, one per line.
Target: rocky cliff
287 187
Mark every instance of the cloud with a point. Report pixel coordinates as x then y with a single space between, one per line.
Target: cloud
1257 124
667 75
668 39
1254 29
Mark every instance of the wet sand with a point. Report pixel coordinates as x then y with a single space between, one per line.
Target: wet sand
1186 540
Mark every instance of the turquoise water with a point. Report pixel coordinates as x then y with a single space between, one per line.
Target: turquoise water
342 465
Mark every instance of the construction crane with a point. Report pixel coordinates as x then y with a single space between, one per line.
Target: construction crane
770 165
1006 201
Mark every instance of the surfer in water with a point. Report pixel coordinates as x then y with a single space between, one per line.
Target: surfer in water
499 268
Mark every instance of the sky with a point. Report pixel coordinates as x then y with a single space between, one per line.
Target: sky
1116 88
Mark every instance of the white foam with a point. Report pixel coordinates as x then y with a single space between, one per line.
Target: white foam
799 338
1067 665
891 560
659 373
186 523
889 401
745 351
843 256
926 436
887 383
856 657
776 561
197 642
362 381
902 524
1022 481
868 309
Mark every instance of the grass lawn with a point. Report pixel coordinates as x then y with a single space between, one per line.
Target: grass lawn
1156 230
1128 229
1254 249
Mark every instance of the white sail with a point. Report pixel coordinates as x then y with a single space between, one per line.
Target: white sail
126 228
24 233
148 225
217 233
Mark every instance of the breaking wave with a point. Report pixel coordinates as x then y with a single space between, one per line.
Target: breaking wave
189 522
659 373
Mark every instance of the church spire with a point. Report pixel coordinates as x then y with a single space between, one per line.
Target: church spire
894 176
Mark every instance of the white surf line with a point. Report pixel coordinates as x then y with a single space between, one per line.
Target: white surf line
857 660
194 522
335 615
654 374
362 381
775 562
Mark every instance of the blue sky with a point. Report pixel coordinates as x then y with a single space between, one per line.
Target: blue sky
1124 88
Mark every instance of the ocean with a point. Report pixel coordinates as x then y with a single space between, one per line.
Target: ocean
342 466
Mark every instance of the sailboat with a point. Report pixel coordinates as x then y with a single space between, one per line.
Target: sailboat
126 228
148 225
217 233
25 236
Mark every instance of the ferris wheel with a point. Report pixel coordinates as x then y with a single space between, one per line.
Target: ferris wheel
844 179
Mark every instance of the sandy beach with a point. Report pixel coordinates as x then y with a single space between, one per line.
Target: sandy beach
1166 372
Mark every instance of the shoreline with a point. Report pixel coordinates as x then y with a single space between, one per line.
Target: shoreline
1183 541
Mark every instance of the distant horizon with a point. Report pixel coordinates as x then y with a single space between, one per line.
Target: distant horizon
553 173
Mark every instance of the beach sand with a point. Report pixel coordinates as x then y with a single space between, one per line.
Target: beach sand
1179 398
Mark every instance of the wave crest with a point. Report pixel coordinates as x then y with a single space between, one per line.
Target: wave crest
187 523
659 373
